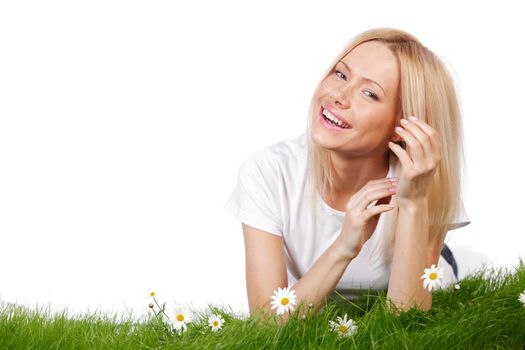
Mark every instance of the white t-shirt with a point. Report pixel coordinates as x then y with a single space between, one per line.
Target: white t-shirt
270 195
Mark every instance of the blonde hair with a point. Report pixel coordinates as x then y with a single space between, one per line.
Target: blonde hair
426 91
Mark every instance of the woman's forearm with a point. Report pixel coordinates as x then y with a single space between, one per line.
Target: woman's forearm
319 282
410 257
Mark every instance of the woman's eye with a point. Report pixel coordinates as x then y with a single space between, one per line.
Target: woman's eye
371 94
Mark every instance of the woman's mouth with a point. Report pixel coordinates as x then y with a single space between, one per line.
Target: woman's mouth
331 124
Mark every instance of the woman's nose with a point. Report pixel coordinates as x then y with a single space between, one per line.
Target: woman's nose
341 97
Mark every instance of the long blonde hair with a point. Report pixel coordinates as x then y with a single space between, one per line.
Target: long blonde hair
426 91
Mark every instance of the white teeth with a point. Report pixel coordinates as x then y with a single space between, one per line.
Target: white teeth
330 116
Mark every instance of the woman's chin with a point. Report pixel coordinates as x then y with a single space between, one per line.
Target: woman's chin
326 141
326 138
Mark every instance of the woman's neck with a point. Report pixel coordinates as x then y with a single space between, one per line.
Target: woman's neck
351 174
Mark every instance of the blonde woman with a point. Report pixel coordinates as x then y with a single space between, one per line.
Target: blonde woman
364 199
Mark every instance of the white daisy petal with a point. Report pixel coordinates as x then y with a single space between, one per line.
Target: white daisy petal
432 277
283 300
344 327
215 322
180 317
522 298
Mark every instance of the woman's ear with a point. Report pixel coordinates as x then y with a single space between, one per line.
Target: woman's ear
395 136
399 140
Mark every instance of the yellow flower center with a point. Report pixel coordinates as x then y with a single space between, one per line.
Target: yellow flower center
215 323
284 301
433 276
343 328
180 317
152 294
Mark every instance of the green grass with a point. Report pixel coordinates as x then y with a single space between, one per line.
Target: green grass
484 314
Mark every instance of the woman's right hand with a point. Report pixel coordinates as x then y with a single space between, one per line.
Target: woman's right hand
359 220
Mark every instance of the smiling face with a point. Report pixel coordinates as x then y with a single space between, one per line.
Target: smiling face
362 89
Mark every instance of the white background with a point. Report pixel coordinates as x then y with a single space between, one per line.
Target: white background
123 123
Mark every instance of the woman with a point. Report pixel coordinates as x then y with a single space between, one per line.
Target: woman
382 189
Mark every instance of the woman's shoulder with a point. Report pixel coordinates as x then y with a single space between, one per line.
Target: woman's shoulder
279 153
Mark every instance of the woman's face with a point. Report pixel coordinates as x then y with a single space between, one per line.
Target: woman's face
363 90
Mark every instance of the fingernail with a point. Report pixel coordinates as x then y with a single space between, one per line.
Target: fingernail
412 117
404 121
399 128
394 179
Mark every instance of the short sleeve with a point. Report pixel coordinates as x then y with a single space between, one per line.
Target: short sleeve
462 220
254 200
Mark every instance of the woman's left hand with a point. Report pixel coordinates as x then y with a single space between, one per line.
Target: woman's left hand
419 160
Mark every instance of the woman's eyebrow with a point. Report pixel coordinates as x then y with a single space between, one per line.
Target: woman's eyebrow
365 78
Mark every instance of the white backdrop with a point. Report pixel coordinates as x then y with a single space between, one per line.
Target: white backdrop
123 123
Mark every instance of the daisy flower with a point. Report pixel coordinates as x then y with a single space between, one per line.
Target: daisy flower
344 327
522 298
181 317
433 277
284 300
457 286
215 322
